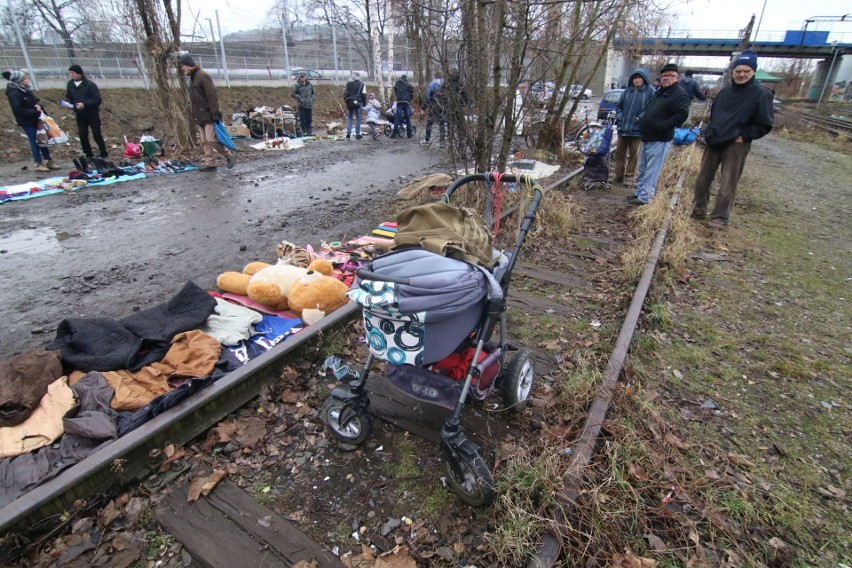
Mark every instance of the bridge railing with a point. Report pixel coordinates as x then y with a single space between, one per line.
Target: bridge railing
811 37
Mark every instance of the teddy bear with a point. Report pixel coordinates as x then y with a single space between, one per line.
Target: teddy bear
314 295
269 284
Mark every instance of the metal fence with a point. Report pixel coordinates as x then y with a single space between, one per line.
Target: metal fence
248 57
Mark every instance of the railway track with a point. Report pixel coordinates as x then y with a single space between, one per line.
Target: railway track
836 126
53 500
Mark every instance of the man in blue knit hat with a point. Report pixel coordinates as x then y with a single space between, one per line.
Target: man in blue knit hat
742 112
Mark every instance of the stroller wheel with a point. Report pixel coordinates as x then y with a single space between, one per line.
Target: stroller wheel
607 186
518 380
470 478
348 423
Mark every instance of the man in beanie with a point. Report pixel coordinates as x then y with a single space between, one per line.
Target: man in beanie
85 98
404 95
668 109
303 92
742 112
205 111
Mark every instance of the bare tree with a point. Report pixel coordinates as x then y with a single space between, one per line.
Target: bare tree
64 19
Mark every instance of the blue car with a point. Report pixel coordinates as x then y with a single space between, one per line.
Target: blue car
608 102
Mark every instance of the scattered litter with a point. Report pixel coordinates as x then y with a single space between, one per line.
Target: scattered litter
709 405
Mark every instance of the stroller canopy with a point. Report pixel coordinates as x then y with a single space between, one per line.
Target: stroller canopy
426 318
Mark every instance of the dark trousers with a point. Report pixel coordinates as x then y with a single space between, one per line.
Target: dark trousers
306 117
84 123
403 117
436 116
732 158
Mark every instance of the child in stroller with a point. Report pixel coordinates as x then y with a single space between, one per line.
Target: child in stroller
432 317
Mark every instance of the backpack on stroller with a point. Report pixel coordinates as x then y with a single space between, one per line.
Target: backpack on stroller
431 316
596 166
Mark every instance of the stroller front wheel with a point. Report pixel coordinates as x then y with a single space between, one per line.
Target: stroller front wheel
470 478
518 380
349 423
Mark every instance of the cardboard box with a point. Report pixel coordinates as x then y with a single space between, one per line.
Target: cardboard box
239 130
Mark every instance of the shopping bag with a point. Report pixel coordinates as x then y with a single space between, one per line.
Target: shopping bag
223 136
132 150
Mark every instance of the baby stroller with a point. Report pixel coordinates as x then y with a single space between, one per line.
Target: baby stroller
596 166
425 313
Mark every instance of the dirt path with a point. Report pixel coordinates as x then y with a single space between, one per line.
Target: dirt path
106 251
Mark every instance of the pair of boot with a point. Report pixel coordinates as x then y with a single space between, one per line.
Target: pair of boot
46 166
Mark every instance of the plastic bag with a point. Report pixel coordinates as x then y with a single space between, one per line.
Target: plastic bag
223 136
132 150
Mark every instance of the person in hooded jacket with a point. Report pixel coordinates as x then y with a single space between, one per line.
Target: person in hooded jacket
303 92
85 96
27 110
691 87
355 97
404 96
632 103
742 112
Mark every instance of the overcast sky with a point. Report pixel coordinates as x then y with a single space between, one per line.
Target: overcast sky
696 15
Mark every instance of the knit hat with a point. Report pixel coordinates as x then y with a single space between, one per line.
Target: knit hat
186 60
14 76
669 67
76 69
747 57
404 77
356 75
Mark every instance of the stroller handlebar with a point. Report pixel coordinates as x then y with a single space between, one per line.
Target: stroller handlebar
364 274
507 178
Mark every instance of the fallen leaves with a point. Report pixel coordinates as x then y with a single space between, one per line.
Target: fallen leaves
204 485
677 442
396 558
741 461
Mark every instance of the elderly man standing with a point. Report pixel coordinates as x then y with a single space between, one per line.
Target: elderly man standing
742 112
632 103
205 111
303 92
667 110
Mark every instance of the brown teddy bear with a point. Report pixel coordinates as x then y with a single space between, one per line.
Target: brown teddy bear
314 295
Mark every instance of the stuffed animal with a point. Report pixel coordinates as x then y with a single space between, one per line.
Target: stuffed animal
314 295
270 284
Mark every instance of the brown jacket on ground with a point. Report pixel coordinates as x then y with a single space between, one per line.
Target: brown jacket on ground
43 426
23 381
203 97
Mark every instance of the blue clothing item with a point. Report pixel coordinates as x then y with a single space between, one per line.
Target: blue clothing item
402 117
429 100
651 160
271 331
632 102
40 154
353 114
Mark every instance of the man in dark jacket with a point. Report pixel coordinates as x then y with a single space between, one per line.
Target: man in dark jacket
668 109
742 112
355 97
303 92
85 97
632 103
404 95
691 87
205 111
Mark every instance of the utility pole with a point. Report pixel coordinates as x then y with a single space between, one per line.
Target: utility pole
222 48
827 80
21 43
284 34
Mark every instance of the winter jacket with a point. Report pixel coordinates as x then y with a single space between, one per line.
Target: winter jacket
87 93
23 102
404 91
740 110
304 94
203 97
668 109
23 382
691 88
354 95
431 99
374 111
632 102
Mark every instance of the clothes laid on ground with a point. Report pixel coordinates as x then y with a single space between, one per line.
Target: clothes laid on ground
231 323
192 354
43 426
270 332
24 380
88 427
102 344
129 421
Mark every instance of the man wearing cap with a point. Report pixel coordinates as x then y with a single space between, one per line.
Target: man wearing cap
303 92
85 98
205 111
668 109
404 95
742 112
690 85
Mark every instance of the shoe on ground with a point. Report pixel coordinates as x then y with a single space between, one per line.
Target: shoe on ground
411 136
40 167
633 200
617 180
631 197
231 160
348 136
51 166
358 137
698 216
207 168
718 223
376 136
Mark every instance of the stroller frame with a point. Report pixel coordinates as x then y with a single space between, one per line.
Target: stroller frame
346 411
